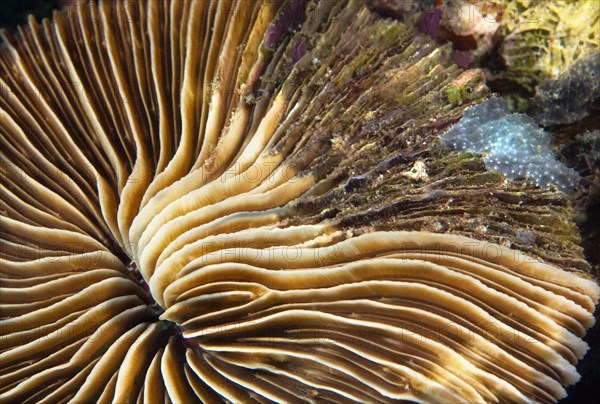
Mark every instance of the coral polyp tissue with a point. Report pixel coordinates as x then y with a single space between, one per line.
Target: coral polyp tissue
511 144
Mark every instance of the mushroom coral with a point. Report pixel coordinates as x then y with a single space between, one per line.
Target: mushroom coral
243 201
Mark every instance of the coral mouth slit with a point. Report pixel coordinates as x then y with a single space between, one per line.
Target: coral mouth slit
170 327
301 233
138 278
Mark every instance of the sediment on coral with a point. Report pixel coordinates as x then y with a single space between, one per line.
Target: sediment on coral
250 202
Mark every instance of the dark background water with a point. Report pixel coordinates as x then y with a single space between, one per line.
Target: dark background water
15 12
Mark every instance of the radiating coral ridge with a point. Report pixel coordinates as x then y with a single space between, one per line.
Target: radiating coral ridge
248 202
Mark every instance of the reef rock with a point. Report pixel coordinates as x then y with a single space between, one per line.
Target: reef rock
572 96
542 39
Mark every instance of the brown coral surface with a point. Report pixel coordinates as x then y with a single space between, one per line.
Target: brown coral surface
246 201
